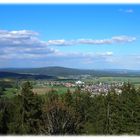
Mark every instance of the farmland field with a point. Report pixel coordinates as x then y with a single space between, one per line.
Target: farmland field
11 90
133 80
43 90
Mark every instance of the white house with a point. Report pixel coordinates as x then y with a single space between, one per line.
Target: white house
79 82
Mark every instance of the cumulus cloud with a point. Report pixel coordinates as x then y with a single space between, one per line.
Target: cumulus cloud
94 42
26 38
26 44
20 38
22 44
61 42
123 39
113 40
79 55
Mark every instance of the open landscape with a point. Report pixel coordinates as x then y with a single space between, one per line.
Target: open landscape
84 92
69 69
61 82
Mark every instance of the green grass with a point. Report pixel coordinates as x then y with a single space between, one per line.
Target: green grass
137 85
133 80
60 89
10 92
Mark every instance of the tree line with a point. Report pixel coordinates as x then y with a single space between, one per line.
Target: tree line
77 113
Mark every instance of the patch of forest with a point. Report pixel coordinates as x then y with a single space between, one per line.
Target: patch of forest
71 113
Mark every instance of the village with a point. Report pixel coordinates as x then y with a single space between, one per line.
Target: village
93 88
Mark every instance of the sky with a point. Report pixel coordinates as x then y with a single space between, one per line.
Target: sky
85 36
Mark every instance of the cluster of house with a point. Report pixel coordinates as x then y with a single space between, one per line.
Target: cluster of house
55 83
92 88
102 88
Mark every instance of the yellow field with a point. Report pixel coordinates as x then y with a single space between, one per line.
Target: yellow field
41 90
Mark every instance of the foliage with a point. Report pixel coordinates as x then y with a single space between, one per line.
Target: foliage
72 113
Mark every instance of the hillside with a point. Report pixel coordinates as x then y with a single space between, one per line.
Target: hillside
23 76
62 71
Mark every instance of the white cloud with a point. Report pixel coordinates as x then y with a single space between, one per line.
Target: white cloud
113 40
94 42
123 39
61 42
19 38
23 44
105 54
26 38
126 10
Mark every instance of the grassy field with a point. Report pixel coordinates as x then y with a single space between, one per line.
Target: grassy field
133 80
9 92
43 90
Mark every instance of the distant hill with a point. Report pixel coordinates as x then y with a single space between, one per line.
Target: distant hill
23 76
62 71
54 71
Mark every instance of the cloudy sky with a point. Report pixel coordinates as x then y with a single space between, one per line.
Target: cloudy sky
76 36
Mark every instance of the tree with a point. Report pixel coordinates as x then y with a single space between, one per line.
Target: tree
2 89
30 110
59 119
68 98
6 115
130 102
97 112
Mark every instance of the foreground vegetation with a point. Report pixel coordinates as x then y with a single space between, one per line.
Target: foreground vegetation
71 113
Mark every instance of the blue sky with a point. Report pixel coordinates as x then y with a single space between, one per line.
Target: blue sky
79 36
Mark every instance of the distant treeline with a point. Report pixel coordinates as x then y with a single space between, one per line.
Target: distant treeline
62 71
77 113
13 75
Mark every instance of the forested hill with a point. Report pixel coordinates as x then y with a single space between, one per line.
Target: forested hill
23 76
62 71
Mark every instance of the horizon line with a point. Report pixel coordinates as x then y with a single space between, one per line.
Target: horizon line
69 68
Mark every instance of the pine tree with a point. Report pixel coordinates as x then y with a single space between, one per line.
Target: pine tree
30 110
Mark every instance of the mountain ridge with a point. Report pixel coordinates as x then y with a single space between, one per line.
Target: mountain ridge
4 74
64 71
